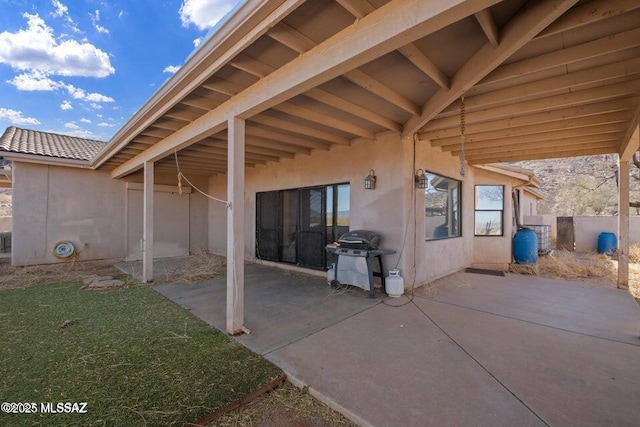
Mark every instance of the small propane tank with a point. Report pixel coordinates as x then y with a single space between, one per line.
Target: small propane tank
394 283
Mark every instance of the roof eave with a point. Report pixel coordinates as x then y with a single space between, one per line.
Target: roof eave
45 160
185 75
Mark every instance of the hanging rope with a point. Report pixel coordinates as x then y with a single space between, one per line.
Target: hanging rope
462 135
181 177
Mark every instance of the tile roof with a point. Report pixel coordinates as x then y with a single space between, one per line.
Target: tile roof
25 141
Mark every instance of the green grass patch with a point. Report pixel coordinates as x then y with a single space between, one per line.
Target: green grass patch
135 357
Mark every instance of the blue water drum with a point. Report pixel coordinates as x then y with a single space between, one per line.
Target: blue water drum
525 246
607 243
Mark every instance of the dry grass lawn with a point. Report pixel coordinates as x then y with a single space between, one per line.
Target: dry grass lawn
591 268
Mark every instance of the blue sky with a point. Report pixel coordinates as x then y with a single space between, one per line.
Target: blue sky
83 68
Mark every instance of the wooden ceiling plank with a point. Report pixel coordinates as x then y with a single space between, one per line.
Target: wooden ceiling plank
171 125
299 129
629 143
323 119
367 82
286 138
589 13
146 139
561 114
558 145
557 134
576 138
156 132
540 155
222 86
351 108
525 25
548 104
549 86
200 102
602 46
489 26
577 123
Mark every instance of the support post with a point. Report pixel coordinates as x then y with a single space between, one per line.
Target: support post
623 224
147 227
235 226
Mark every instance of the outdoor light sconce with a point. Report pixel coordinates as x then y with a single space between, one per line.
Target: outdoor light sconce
370 181
421 179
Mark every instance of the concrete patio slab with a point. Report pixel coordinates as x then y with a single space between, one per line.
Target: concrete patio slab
394 367
280 306
566 378
469 350
589 309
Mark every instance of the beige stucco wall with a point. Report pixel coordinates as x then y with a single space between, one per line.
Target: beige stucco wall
588 228
392 206
55 203
86 207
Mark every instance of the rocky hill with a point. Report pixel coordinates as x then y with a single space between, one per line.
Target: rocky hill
5 202
581 185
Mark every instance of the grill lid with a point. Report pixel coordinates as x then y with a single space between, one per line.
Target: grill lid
360 239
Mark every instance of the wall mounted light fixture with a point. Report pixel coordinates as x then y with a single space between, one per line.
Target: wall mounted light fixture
421 179
370 181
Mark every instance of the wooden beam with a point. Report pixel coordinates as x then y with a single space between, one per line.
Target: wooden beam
147 224
351 108
573 81
299 129
488 25
515 34
291 38
595 110
559 145
184 115
581 98
222 46
540 128
539 155
589 13
629 143
367 82
286 138
324 120
358 8
599 47
375 35
623 224
426 65
235 227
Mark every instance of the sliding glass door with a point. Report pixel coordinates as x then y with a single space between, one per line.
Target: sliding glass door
293 226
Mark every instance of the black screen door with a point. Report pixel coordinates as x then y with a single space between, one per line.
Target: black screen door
311 233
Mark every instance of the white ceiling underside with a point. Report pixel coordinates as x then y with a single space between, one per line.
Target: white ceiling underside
541 79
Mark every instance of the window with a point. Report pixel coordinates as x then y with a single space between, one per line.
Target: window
442 207
489 210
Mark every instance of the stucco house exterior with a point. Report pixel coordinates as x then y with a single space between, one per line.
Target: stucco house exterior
289 105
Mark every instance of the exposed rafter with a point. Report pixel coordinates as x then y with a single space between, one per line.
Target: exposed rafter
515 34
489 26
630 143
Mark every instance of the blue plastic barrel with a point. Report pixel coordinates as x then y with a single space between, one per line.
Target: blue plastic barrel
525 246
607 243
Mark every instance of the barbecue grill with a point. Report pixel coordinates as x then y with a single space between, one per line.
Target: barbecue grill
360 244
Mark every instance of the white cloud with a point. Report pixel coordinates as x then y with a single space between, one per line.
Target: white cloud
36 49
72 126
204 14
37 80
196 42
62 11
96 106
106 125
99 116
171 69
16 117
66 105
95 19
83 120
121 14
